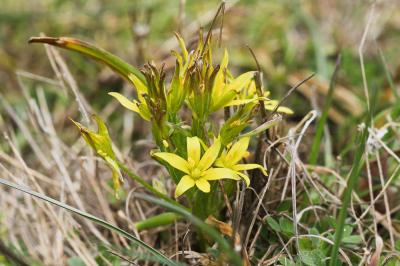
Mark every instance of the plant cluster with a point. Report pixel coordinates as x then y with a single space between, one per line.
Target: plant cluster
198 149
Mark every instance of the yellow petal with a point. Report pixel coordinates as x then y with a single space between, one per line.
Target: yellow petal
249 166
140 86
245 177
116 174
101 126
240 82
203 185
209 156
285 110
85 133
182 45
241 102
184 184
281 109
221 161
101 143
193 149
174 160
125 102
238 150
223 99
219 173
225 60
219 82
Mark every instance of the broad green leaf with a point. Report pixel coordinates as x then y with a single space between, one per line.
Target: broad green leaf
352 240
312 258
286 226
273 224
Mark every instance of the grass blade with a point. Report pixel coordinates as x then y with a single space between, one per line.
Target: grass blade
234 258
114 62
354 174
161 257
324 116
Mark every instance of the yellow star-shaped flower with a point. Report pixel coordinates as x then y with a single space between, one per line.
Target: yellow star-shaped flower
230 159
198 169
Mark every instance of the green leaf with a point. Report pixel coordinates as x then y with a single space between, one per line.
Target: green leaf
312 258
75 261
157 220
353 240
286 226
161 257
114 62
285 261
358 163
273 224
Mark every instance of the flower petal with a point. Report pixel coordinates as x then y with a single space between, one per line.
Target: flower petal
281 109
238 151
203 185
209 156
174 160
249 166
243 80
220 173
125 102
140 86
193 149
184 184
245 177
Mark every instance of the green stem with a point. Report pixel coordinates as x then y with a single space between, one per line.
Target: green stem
157 220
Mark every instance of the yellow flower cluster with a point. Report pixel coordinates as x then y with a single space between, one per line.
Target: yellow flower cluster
199 169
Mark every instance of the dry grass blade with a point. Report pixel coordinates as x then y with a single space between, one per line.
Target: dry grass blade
162 258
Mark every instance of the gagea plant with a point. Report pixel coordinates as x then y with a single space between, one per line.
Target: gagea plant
203 119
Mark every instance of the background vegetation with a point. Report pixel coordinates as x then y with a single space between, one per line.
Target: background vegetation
41 149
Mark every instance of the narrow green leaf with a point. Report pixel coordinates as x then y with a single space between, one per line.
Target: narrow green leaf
157 220
114 62
354 174
162 258
273 224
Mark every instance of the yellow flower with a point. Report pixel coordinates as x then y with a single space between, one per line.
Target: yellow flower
269 104
225 93
101 144
197 168
229 159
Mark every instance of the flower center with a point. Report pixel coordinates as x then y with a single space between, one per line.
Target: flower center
196 173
